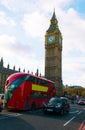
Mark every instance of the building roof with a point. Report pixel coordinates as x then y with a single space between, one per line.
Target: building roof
53 23
54 16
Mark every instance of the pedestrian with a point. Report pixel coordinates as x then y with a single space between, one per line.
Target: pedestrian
0 107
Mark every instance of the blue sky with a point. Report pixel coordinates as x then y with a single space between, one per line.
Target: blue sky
23 24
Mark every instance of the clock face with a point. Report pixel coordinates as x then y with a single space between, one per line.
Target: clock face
51 39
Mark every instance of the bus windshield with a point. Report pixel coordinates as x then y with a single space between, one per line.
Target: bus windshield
12 87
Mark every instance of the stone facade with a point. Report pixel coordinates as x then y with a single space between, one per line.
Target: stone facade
53 54
4 73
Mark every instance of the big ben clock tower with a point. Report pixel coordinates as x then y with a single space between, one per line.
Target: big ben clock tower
53 54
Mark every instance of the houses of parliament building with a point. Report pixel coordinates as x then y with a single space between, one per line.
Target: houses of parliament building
4 73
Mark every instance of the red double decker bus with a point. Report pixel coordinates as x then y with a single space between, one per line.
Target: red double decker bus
24 91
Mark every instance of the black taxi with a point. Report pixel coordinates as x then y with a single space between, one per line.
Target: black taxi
57 105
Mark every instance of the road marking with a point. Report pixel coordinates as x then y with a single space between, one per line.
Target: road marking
4 117
14 114
74 112
10 115
79 113
69 121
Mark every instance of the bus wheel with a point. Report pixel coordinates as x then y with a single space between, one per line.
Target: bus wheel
33 106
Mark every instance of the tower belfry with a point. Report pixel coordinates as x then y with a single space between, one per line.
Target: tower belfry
53 54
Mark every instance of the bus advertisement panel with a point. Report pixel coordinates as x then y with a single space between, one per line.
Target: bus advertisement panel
24 91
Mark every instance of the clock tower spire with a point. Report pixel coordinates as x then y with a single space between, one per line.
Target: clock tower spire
53 23
53 54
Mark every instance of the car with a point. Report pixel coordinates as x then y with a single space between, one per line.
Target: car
81 102
57 105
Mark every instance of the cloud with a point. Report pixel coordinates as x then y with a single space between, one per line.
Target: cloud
73 31
73 70
19 54
5 20
10 4
32 21
33 5
10 44
34 24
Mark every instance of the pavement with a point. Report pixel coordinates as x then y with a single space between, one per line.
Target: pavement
82 126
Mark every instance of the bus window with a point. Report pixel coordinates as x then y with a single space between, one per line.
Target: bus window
34 80
38 95
30 79
53 85
12 87
47 83
17 82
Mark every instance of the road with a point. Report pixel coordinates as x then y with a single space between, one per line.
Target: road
36 120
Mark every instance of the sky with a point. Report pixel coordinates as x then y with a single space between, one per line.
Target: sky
23 24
